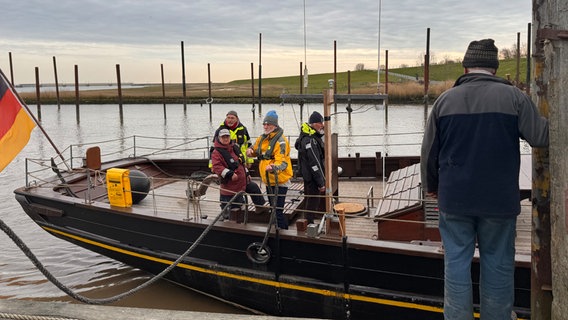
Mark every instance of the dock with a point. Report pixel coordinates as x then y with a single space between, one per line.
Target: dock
30 310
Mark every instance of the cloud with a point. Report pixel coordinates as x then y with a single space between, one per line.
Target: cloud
141 35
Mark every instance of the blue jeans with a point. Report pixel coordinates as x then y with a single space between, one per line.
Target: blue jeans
280 202
496 240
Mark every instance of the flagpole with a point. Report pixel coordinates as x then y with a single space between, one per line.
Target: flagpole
33 117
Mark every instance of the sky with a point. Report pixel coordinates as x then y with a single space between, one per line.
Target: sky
229 35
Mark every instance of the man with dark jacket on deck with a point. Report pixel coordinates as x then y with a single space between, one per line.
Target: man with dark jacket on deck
311 163
470 162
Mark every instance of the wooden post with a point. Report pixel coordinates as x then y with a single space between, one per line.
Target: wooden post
119 87
252 88
518 58
77 93
327 101
426 75
259 73
349 109
301 91
549 292
56 84
334 73
11 68
183 88
210 99
38 93
529 58
341 215
163 88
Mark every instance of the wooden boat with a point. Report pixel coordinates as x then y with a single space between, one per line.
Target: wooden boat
372 266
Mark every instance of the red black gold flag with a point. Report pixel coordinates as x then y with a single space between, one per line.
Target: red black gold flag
15 124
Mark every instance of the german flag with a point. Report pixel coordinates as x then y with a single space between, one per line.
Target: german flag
15 124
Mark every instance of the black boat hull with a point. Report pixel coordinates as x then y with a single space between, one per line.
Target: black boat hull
323 278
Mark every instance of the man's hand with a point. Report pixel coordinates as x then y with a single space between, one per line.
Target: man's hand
321 189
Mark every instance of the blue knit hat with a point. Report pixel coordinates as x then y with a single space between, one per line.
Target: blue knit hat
271 118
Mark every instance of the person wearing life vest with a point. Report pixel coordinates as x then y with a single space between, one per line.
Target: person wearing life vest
275 167
239 135
231 172
311 163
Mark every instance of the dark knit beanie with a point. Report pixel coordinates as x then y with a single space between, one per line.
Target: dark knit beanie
271 118
482 54
233 112
316 117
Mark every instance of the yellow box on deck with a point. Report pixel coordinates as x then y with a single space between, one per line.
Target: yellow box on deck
118 187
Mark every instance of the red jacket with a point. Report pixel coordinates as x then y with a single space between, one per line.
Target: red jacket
226 168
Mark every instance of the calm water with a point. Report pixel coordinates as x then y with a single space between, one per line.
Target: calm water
97 276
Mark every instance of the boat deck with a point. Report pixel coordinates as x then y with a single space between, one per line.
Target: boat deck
172 197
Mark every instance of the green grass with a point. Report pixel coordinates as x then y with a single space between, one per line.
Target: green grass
401 89
451 71
368 78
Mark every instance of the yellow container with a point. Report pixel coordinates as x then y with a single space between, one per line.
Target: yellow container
118 187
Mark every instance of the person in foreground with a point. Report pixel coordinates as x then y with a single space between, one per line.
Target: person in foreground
470 161
311 162
273 152
231 172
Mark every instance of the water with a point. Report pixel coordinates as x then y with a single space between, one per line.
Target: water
96 276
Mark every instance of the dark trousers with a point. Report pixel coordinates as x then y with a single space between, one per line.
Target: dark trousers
255 194
240 200
312 200
280 200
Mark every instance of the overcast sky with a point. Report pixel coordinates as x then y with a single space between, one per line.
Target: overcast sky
140 35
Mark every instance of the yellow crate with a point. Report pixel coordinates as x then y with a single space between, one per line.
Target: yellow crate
118 187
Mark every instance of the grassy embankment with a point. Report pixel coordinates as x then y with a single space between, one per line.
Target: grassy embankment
400 90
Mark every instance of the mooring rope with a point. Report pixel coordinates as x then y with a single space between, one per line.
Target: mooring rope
26 250
14 316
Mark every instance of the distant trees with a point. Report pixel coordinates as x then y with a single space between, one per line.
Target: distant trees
511 53
360 67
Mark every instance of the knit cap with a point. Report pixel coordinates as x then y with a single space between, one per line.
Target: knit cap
482 53
316 117
271 118
233 112
224 132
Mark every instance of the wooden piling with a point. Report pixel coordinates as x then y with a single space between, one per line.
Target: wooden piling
76 69
334 74
119 87
210 99
163 89
38 93
260 73
56 84
11 68
386 101
252 88
183 78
